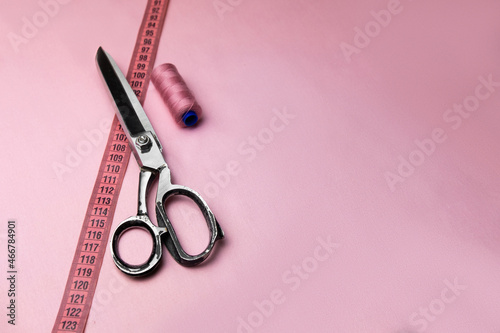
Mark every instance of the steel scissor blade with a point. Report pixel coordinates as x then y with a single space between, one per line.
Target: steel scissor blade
129 109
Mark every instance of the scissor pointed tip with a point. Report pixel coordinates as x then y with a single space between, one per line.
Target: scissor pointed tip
100 53
104 61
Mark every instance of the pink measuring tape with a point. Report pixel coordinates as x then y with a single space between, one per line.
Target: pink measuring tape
91 246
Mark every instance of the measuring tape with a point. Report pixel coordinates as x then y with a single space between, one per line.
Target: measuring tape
91 246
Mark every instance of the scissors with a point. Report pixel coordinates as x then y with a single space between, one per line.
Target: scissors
147 150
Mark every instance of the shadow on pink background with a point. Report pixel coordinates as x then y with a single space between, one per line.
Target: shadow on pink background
349 216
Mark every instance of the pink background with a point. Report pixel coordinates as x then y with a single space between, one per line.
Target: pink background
320 175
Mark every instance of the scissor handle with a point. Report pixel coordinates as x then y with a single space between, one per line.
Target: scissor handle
167 190
142 222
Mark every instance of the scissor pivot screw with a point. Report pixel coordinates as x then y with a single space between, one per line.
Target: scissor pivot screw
143 143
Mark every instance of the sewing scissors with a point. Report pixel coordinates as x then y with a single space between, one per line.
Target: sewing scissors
147 149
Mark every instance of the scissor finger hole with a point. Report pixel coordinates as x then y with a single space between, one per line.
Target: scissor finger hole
188 221
135 246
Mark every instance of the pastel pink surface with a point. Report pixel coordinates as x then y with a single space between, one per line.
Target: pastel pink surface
293 152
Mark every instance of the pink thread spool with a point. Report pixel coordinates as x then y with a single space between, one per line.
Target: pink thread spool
176 95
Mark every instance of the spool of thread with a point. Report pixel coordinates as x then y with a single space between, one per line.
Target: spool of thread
176 95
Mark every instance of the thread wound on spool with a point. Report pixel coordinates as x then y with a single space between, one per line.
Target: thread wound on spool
179 100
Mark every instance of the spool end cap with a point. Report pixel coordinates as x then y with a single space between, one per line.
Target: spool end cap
190 118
